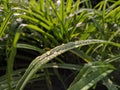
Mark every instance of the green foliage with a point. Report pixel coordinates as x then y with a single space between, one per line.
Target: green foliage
72 35
89 75
43 59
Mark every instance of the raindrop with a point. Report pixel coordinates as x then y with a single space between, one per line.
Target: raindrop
48 53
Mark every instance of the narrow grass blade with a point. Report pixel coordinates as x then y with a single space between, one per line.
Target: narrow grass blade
113 59
99 6
76 6
62 9
16 77
54 8
68 6
60 78
63 66
36 21
31 47
5 23
112 12
82 55
10 61
42 5
59 14
34 27
38 15
48 79
89 75
112 37
109 84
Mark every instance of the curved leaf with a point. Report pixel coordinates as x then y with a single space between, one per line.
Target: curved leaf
38 62
89 75
5 23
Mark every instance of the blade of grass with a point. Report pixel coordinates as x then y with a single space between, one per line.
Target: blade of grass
62 10
90 74
39 16
63 66
59 16
113 59
60 78
76 6
82 55
31 47
48 80
112 37
109 84
41 5
10 61
34 27
112 12
5 23
36 21
68 6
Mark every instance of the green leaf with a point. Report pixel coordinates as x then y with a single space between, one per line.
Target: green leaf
62 9
34 27
31 47
63 66
41 5
11 57
36 21
82 55
116 58
5 23
16 77
68 6
112 37
39 61
89 75
113 12
109 84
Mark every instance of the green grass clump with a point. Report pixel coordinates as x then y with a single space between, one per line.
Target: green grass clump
73 41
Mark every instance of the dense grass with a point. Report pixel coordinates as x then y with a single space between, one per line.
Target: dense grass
73 41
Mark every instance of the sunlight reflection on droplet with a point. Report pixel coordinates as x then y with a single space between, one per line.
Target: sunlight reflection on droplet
48 53
58 2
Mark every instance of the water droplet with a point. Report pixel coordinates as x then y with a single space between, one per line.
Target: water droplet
48 53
